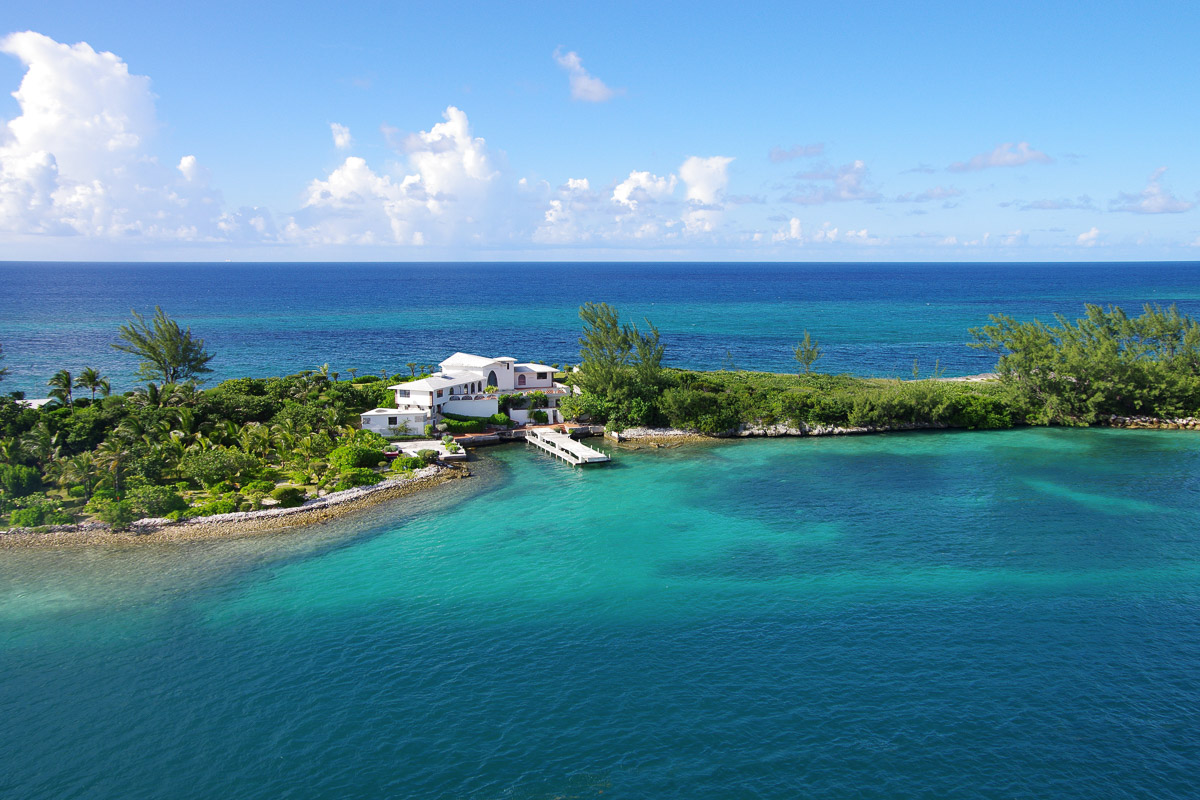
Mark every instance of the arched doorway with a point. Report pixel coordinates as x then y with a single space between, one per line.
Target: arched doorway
492 380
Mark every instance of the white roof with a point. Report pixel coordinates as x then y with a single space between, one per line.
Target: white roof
440 380
533 368
36 402
380 411
468 360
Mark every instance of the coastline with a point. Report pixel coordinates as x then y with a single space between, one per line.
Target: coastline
239 523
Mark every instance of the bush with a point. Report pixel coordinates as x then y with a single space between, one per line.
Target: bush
27 517
225 505
350 478
500 419
361 379
259 487
210 467
408 462
353 456
19 480
429 429
539 400
539 416
457 426
157 501
288 496
428 456
117 513
453 447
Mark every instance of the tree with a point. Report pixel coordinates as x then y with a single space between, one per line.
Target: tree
60 386
3 371
807 352
168 352
412 367
91 379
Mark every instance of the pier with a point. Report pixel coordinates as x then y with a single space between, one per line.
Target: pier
563 446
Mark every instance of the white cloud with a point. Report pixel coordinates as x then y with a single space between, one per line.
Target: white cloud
1154 199
443 190
642 186
936 193
584 86
792 232
705 179
1005 155
1088 238
75 161
341 136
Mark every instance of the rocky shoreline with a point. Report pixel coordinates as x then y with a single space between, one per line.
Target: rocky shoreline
313 512
671 437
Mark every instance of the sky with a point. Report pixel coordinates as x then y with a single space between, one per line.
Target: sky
1048 131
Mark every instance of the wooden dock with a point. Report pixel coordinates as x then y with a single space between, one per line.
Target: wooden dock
563 446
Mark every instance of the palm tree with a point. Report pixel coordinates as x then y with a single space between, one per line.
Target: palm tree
412 367
353 372
111 456
91 378
81 470
60 386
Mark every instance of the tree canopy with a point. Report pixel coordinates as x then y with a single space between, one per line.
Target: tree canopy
169 353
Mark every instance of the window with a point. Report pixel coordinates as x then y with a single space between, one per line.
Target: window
366 421
521 379
392 421
541 376
402 393
439 392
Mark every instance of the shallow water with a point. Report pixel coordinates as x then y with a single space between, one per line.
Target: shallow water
1003 614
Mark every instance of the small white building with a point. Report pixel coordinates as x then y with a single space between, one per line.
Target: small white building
470 386
393 422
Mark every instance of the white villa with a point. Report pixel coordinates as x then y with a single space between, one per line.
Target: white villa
469 386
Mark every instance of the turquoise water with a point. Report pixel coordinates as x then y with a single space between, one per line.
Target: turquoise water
1006 614
276 319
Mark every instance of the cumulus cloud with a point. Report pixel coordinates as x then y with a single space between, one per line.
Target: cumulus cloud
341 136
75 161
584 85
792 232
642 186
846 183
1005 155
1154 199
1088 238
705 179
442 189
778 155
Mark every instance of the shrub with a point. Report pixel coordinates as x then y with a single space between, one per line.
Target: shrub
500 419
225 505
447 439
27 517
353 456
19 480
210 467
539 400
429 429
156 501
428 456
117 513
350 478
539 416
288 496
408 462
361 379
453 447
258 487
457 426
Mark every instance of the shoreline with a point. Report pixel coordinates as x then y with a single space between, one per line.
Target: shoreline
239 523
323 509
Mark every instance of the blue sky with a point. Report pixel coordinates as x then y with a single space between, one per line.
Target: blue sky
856 131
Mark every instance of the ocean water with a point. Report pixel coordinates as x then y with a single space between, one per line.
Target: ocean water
1007 614
274 319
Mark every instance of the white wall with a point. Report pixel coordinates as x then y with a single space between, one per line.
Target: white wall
471 408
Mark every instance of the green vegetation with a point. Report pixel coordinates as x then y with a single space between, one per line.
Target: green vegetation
168 353
175 450
1105 363
1066 374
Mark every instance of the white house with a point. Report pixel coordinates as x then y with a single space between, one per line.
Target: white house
471 386
393 422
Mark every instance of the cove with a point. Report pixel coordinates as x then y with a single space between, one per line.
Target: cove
987 614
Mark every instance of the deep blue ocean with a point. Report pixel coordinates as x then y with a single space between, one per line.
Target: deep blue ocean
1005 614
274 319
